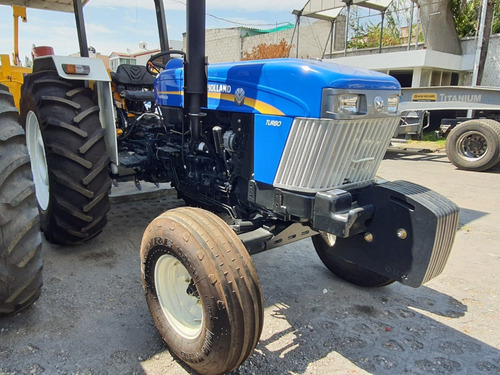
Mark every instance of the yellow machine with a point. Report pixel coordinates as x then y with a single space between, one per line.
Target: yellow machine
12 74
23 153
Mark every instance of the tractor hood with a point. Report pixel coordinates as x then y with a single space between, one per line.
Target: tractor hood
59 5
290 87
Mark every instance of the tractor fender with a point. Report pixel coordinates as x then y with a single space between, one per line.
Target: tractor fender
94 68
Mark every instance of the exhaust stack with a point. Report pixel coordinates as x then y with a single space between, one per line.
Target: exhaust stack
195 74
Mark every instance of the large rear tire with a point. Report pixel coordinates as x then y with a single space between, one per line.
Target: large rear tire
20 240
324 244
474 145
69 159
202 289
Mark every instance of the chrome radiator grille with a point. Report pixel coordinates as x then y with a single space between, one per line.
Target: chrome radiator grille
322 154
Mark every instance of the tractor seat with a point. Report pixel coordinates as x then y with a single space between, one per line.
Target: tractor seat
131 82
138 96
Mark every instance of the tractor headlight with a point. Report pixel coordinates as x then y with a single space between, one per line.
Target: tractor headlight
393 103
354 103
348 104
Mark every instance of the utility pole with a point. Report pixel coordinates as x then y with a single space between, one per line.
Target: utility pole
483 41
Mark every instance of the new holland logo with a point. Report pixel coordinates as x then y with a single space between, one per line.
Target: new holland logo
378 103
239 96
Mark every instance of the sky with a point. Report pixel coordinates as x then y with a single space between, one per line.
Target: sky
120 25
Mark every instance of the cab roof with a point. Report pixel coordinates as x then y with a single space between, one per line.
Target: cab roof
59 5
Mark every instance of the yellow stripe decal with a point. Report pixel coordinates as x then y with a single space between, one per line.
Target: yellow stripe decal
171 92
258 105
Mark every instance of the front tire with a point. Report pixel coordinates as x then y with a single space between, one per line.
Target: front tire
324 244
69 159
20 240
202 289
474 145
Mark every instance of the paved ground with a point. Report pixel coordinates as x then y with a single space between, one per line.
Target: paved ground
92 317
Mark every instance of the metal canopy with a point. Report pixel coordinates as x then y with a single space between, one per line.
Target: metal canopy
59 5
329 10
380 5
323 10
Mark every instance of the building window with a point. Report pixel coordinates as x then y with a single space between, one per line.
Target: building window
125 60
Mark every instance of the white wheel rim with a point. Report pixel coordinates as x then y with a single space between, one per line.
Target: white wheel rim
183 311
39 169
472 146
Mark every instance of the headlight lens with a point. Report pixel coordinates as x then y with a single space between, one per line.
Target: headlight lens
348 103
393 103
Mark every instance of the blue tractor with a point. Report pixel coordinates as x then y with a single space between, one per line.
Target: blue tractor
264 153
271 152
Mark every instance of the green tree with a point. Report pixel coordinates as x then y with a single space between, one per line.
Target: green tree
367 35
465 15
496 18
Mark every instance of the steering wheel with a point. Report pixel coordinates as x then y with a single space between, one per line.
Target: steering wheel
157 62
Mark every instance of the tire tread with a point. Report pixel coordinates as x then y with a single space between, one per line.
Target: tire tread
345 270
227 266
481 165
20 240
76 156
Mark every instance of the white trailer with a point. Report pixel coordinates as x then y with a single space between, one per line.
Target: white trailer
473 142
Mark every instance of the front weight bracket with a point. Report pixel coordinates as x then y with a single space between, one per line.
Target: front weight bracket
408 238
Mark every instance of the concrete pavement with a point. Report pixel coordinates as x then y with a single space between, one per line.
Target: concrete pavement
92 316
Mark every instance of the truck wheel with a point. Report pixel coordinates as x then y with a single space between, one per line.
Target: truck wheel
69 159
474 145
324 244
202 289
20 240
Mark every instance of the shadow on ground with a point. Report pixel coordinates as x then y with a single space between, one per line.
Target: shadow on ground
391 330
436 157
92 316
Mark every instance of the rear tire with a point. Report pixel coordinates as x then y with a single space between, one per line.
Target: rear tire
69 159
474 145
325 247
20 240
191 256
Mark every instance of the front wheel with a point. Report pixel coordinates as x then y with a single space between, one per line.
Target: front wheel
325 244
474 145
202 289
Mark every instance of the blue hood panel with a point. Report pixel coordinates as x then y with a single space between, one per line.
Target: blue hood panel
280 87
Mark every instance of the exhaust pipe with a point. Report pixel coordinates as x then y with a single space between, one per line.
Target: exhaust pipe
195 75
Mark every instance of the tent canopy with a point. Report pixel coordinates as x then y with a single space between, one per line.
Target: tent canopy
59 5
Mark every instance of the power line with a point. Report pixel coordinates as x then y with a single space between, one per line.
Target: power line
234 22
